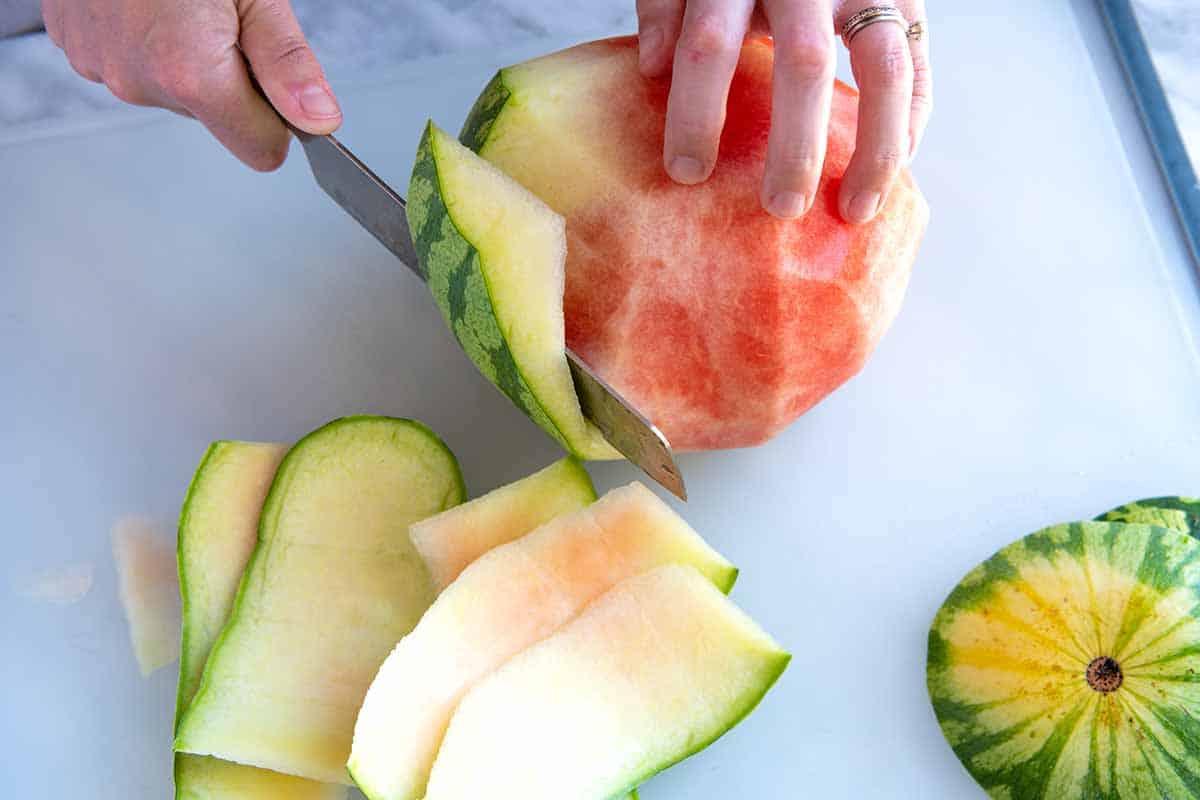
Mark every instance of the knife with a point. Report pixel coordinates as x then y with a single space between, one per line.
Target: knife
380 210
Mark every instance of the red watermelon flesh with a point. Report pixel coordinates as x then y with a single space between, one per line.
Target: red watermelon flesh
721 322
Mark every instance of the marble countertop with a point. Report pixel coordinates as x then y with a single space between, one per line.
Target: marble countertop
352 36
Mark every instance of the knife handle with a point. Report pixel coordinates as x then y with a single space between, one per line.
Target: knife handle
303 136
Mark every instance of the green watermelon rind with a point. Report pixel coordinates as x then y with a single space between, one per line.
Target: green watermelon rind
484 113
779 665
453 272
191 772
189 678
270 511
1170 561
1171 511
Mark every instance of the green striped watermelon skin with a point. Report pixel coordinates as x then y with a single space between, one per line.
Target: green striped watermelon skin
452 270
1009 655
484 113
1177 513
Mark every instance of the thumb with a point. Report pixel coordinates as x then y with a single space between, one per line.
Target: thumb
285 66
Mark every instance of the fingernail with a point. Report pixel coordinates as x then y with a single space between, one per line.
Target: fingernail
862 207
786 204
648 47
317 102
686 169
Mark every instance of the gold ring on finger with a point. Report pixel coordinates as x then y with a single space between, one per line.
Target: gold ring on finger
869 16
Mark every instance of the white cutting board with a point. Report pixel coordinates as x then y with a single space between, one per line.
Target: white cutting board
154 296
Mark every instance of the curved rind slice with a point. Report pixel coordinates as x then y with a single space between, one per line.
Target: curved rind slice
653 671
493 256
1177 513
1065 666
332 584
718 321
512 597
218 528
449 541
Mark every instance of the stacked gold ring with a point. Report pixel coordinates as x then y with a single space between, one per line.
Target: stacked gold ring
869 16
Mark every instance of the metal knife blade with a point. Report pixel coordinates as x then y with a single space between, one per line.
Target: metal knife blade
379 209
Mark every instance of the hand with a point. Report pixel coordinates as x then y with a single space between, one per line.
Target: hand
191 56
699 42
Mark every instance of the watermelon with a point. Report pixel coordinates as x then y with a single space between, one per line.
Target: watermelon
509 599
149 591
333 583
451 540
1177 513
651 672
218 528
717 320
1065 666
